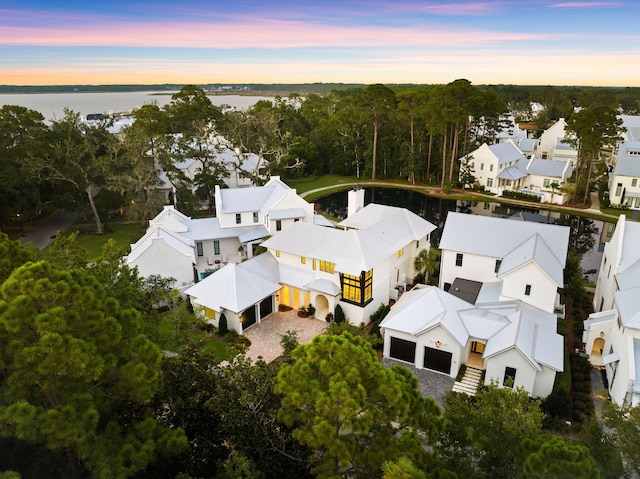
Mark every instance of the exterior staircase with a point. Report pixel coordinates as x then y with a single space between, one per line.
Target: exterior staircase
469 383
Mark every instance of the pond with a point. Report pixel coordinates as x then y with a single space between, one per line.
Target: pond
587 235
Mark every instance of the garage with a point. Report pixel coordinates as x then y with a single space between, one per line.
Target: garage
437 360
249 317
266 307
403 350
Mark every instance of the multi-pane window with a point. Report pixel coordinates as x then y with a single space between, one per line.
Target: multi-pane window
315 264
546 182
255 216
619 189
400 252
527 290
481 166
490 167
327 266
357 289
303 259
216 247
278 225
489 182
634 182
509 377
458 259
238 218
199 248
277 253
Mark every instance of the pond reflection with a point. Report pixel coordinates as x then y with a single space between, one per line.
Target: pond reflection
587 235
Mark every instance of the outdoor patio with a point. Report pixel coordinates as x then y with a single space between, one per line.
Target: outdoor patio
265 336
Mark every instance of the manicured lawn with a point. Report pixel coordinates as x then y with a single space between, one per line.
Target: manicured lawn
122 233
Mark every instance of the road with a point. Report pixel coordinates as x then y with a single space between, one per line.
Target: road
45 231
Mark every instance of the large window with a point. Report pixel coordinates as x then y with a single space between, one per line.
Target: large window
489 182
458 259
216 247
357 289
199 248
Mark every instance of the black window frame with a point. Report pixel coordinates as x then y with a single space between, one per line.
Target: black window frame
199 248
238 218
459 259
527 290
509 373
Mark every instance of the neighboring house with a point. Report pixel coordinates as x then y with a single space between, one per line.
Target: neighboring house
504 167
503 260
515 344
365 263
546 178
553 146
624 179
611 335
496 306
495 167
245 217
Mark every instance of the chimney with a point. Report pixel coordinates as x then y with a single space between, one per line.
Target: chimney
355 200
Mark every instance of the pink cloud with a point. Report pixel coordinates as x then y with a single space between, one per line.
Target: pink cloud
584 5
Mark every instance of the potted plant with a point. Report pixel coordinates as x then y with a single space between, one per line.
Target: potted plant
302 312
311 310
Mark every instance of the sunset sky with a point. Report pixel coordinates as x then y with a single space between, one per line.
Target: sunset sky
57 42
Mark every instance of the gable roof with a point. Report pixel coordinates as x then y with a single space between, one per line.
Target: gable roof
533 249
505 152
235 287
547 168
496 237
627 303
504 325
628 159
156 233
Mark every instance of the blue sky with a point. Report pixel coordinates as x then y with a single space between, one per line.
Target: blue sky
521 42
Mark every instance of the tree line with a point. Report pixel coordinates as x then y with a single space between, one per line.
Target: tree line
411 133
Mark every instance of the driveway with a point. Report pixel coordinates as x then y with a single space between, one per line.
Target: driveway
265 336
45 231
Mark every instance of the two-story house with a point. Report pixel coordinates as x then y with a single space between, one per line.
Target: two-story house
612 333
496 306
189 249
624 178
365 262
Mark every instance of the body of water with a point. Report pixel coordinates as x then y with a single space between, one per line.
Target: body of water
52 105
586 234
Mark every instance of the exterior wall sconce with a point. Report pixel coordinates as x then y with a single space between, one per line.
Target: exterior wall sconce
602 334
438 344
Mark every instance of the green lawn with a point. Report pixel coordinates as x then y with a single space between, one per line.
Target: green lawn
122 233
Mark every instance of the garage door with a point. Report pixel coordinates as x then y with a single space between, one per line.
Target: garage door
266 307
437 360
249 317
403 350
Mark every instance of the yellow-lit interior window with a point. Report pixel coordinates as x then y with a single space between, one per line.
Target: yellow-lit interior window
314 264
210 313
358 289
400 252
303 259
327 266
278 253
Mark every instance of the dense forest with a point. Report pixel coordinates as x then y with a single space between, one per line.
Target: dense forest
410 133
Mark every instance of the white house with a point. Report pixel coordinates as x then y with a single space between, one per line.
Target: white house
553 146
495 167
496 306
188 249
624 179
612 333
503 260
514 343
504 166
364 263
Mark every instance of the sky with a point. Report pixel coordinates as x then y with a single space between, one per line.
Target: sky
523 42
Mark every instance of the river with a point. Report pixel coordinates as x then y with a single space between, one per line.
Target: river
586 234
52 105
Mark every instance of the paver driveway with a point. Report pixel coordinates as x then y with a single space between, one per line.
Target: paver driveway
265 336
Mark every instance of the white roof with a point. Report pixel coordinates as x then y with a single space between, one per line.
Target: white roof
320 220
253 198
503 326
512 173
235 287
628 164
174 240
287 213
630 253
354 250
506 152
546 168
533 249
628 304
497 237
389 221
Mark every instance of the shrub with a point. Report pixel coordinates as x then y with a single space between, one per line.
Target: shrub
222 325
289 342
519 195
339 315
